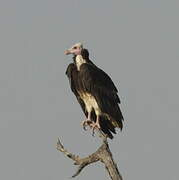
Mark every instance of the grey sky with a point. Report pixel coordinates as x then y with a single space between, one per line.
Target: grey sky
135 42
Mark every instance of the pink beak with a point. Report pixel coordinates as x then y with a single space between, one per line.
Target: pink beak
67 52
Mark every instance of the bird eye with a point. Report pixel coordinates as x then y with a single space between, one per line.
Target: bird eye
75 47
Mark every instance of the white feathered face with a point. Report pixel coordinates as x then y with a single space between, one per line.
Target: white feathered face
75 49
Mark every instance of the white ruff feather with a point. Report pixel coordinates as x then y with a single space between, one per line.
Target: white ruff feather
79 61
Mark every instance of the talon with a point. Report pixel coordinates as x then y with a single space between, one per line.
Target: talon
95 126
84 127
86 123
93 132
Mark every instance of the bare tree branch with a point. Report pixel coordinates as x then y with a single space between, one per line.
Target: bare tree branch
103 154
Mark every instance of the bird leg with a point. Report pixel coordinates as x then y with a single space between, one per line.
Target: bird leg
95 125
87 122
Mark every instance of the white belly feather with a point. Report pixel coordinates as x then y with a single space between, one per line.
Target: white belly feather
90 103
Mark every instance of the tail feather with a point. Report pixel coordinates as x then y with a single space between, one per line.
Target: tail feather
107 124
105 129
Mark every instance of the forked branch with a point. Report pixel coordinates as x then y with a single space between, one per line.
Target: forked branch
103 154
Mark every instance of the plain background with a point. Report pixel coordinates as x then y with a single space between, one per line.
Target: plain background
135 42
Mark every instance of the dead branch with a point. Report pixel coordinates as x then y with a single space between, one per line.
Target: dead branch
103 154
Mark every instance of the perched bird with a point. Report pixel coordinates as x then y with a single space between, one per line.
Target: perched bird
95 92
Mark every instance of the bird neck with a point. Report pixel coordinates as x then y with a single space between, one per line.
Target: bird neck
79 61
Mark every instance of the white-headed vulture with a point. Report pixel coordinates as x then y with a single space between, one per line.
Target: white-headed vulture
95 92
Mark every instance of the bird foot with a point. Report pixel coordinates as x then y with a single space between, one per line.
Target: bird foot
86 123
94 126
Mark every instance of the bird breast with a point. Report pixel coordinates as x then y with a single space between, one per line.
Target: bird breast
79 61
90 102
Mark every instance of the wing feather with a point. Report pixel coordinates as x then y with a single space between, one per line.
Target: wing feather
100 85
72 75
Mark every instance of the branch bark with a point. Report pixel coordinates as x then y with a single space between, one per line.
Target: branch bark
103 154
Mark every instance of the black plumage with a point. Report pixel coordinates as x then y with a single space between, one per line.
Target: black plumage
91 80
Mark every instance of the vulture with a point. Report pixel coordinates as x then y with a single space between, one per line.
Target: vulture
95 92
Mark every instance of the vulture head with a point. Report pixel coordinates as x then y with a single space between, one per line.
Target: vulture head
78 49
75 49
